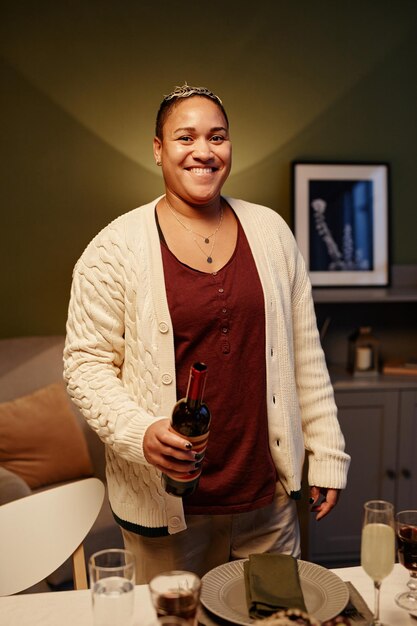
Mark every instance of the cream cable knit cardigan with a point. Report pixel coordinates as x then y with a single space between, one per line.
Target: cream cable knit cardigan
120 368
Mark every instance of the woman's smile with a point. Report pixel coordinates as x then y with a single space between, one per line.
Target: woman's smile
200 171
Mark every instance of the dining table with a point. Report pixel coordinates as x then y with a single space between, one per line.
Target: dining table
73 608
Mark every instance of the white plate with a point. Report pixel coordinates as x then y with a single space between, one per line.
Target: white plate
223 592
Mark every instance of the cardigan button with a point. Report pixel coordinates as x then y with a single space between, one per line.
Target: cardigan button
163 327
166 379
174 521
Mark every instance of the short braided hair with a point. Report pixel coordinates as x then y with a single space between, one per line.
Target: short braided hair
172 99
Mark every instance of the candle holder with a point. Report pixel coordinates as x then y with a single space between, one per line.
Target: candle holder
363 353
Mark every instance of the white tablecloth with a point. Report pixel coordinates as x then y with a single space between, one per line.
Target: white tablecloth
396 582
73 608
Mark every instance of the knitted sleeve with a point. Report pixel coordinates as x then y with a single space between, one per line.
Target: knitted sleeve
323 439
101 298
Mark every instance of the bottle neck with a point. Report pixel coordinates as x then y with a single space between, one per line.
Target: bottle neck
196 384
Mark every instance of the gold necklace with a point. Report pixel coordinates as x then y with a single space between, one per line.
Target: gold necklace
209 258
206 238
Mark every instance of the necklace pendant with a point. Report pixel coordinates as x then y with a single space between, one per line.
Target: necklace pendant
209 259
206 240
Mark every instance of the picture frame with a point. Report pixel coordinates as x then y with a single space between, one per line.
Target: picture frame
341 222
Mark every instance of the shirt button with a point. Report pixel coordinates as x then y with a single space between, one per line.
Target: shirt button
166 379
221 290
224 310
214 273
225 330
163 327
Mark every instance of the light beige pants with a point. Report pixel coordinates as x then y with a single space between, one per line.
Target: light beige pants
211 540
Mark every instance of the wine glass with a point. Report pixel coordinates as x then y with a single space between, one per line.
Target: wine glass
378 545
406 527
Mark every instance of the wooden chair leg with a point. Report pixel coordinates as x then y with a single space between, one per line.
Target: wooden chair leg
78 568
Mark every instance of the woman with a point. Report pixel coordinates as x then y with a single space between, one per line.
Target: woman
195 276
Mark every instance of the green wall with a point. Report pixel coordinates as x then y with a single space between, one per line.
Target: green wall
81 82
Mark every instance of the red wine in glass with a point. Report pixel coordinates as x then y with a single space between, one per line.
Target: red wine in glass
182 604
176 593
406 527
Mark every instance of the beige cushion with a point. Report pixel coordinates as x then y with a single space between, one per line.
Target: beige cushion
41 440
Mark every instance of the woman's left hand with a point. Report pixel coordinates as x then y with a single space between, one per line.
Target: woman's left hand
323 507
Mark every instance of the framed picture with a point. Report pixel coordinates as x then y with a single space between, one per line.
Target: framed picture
340 216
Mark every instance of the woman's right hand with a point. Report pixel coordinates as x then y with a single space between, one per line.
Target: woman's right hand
167 451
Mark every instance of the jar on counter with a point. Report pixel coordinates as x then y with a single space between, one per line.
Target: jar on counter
363 353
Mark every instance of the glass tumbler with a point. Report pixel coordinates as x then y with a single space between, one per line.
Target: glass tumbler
112 584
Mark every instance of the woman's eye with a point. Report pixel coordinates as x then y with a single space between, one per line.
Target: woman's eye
217 138
185 138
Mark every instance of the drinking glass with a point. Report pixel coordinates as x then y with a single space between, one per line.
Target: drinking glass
176 593
112 583
406 527
378 545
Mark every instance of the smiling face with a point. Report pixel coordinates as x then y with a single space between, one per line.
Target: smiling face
195 151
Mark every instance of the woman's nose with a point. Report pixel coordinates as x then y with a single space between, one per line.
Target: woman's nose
202 149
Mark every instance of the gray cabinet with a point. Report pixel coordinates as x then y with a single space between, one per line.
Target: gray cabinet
379 422
406 469
378 416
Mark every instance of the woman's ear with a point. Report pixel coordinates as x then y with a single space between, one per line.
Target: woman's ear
157 148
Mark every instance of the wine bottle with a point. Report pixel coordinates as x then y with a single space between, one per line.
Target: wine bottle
191 420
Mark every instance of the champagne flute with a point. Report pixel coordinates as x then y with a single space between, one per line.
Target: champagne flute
378 545
406 527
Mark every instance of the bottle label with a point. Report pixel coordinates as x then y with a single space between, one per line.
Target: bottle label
199 445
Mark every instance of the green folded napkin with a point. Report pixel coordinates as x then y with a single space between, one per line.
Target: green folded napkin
272 583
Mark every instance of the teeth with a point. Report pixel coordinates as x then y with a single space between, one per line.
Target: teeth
201 170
